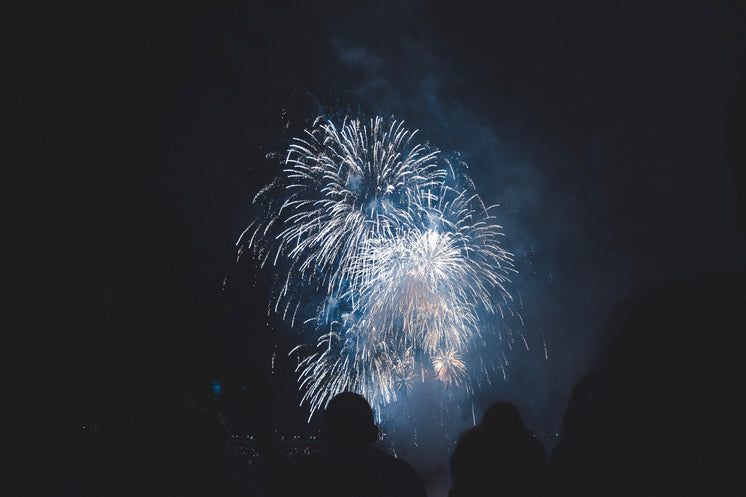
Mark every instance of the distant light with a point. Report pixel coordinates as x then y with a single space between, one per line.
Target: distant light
243 387
215 388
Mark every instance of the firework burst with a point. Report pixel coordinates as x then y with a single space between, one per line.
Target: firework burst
449 367
401 246
349 185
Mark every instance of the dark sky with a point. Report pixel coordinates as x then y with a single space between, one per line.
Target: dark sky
611 136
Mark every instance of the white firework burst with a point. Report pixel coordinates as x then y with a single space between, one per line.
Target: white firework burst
406 253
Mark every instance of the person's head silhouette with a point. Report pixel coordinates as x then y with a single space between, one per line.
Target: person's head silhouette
348 422
502 417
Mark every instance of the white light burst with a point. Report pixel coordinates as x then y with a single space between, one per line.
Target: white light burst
405 251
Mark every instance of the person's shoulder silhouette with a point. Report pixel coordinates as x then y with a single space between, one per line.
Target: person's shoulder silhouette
657 414
498 456
351 465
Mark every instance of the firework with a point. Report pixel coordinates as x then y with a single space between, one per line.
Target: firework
449 367
349 185
425 286
402 249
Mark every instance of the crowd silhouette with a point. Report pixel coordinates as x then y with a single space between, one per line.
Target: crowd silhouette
657 415
660 414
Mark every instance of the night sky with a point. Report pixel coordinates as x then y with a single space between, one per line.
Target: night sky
610 135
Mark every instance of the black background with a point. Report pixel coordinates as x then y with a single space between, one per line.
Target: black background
612 137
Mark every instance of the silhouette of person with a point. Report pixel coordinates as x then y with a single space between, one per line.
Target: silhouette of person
586 460
661 413
500 456
351 465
